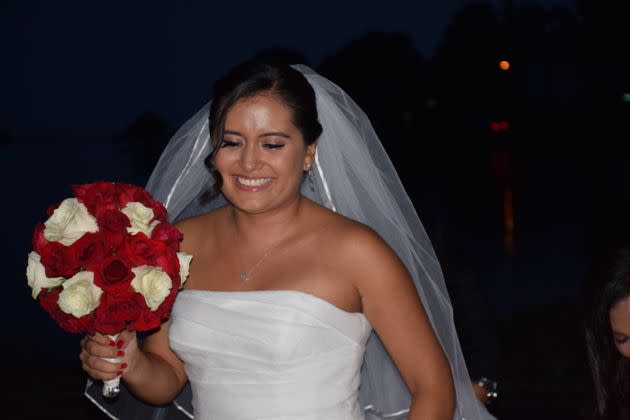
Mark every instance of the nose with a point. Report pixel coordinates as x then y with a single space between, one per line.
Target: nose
249 157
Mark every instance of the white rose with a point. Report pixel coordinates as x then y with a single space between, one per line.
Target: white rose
140 217
69 222
152 283
80 295
36 275
184 266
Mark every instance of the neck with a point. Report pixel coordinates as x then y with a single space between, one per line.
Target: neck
268 227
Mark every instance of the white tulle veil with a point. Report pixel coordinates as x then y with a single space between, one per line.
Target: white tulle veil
353 176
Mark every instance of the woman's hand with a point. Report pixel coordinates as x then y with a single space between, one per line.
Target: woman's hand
95 348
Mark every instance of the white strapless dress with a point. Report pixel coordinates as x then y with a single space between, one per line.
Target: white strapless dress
269 355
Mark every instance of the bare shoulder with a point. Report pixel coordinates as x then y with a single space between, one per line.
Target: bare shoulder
347 234
360 256
356 247
198 229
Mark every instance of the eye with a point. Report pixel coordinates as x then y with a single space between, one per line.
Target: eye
229 143
272 146
621 340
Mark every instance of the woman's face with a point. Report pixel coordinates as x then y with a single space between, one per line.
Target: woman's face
263 155
620 324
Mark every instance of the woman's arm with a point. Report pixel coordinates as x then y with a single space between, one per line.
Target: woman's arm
158 375
391 304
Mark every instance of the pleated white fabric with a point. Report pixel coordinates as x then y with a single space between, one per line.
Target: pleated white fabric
275 354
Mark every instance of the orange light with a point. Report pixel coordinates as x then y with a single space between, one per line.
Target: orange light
504 65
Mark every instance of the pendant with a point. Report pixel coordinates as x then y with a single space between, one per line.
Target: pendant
246 275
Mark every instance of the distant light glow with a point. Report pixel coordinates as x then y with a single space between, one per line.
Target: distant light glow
499 126
504 65
626 97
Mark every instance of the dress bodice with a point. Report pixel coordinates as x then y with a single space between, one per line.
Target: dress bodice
281 355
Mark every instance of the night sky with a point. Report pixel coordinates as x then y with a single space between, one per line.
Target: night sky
84 70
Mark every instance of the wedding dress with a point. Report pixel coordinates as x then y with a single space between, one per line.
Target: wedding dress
279 354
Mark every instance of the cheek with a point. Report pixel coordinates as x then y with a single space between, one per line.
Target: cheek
288 164
221 160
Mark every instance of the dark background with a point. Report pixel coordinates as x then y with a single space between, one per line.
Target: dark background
521 173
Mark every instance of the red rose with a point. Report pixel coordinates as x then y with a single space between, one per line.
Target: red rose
48 301
98 197
128 192
147 320
57 262
114 221
164 310
39 241
170 265
167 233
87 252
114 274
113 224
117 310
140 250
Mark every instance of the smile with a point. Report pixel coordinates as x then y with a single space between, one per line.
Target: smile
252 183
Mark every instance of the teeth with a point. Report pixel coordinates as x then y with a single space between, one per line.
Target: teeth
252 182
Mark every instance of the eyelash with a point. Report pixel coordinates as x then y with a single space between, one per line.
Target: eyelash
271 146
229 143
622 341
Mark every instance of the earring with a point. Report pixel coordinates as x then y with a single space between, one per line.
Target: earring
309 175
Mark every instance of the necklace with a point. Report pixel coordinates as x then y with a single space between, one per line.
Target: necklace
248 274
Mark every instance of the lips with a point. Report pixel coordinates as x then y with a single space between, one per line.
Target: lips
252 183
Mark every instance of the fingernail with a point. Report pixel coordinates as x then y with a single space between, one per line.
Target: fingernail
111 343
119 343
119 373
120 353
123 365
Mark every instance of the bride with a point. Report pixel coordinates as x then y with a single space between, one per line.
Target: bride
314 292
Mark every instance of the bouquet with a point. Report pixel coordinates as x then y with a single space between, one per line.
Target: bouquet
106 260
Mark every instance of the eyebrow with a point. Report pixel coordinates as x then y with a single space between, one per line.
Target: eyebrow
267 134
276 133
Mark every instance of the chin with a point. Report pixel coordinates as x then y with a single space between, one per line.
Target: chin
252 208
265 201
625 353
249 205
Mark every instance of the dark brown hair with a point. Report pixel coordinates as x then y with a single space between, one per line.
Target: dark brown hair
255 77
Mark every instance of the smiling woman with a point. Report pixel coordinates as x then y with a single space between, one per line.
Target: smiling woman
317 299
608 342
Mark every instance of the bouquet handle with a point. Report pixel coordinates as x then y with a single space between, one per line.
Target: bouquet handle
111 388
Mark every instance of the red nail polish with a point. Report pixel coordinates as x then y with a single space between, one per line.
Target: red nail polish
120 353
119 373
111 343
119 343
123 365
